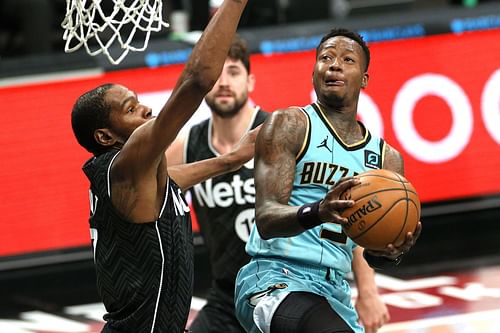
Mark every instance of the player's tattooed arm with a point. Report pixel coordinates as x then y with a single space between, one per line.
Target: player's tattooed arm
284 134
393 160
277 145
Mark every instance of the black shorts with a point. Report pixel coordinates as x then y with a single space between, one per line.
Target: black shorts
218 315
303 312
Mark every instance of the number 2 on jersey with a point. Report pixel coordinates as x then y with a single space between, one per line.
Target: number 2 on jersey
333 236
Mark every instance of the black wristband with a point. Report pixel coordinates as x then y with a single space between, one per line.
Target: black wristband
308 215
379 262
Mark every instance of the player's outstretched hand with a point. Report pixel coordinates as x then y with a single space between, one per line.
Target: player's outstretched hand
393 252
331 206
245 149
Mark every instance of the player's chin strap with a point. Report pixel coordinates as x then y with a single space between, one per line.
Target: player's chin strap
380 263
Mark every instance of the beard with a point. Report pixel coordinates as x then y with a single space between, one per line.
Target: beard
226 110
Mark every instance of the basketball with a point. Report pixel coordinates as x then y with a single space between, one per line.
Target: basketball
386 208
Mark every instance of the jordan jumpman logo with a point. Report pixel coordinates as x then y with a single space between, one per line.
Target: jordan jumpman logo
324 143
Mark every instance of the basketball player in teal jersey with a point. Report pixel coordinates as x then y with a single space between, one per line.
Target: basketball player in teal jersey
225 216
140 225
305 158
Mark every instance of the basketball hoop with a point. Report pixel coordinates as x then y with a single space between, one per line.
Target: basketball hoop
87 23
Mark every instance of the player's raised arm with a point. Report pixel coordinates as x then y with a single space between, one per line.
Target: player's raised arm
149 142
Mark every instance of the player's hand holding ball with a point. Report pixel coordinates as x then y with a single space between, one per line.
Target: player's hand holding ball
332 205
379 210
385 218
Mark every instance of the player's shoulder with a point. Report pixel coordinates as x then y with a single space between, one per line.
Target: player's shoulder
289 124
292 114
260 116
100 161
200 126
390 150
198 131
393 159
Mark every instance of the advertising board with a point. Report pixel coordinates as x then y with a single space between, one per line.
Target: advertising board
436 99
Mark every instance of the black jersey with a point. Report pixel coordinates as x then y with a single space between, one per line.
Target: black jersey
144 271
224 205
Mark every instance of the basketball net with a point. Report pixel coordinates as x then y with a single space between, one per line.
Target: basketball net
86 22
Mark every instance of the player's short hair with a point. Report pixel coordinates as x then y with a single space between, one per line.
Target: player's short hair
351 35
91 112
239 51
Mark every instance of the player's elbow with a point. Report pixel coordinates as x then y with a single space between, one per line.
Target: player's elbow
263 232
262 222
200 80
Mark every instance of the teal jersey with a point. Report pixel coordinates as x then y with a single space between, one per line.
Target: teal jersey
323 160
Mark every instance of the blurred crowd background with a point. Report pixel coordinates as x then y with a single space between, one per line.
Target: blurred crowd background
29 27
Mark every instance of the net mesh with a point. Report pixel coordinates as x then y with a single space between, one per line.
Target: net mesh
102 25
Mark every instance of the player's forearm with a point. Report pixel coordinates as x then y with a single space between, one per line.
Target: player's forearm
209 53
273 216
188 175
364 275
276 220
199 75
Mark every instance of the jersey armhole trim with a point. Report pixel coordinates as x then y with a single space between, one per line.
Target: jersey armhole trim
108 176
383 147
307 137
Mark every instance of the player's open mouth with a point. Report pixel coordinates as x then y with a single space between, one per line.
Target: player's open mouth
338 83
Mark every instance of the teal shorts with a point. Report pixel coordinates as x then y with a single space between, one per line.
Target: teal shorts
263 284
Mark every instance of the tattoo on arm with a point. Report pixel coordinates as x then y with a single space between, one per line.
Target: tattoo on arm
279 145
393 160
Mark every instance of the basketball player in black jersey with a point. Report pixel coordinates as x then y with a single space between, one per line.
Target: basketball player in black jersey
224 205
140 223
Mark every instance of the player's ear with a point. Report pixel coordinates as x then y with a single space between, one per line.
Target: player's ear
104 137
364 81
251 82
